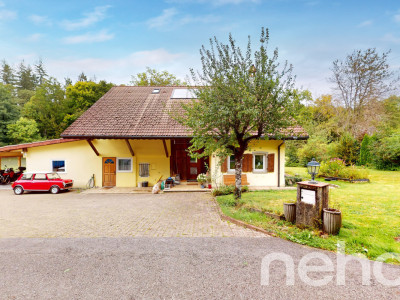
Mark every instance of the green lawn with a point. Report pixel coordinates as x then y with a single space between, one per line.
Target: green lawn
370 211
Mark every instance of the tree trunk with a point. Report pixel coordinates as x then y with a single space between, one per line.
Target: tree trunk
238 177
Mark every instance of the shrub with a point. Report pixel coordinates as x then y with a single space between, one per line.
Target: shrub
337 168
291 180
365 151
387 152
227 190
348 148
332 168
352 173
315 148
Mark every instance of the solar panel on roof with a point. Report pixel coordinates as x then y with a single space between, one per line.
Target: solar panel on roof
183 94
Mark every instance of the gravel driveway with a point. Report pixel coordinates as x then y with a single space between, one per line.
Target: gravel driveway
73 214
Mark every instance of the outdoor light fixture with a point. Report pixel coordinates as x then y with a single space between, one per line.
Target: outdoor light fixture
313 169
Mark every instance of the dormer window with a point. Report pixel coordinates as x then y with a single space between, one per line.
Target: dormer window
156 91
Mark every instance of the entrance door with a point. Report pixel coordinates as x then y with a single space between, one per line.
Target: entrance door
194 168
109 168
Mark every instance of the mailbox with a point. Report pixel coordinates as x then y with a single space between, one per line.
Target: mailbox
311 200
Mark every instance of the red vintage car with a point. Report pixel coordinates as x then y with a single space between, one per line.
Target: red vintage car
51 182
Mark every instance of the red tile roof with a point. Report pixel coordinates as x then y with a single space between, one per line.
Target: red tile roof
134 112
35 144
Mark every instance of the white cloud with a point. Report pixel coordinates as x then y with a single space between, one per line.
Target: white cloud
35 37
40 20
171 18
365 23
91 18
164 19
119 70
6 15
389 37
89 37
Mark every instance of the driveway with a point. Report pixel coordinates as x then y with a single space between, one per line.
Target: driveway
74 214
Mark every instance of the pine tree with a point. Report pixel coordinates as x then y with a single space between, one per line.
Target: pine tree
7 73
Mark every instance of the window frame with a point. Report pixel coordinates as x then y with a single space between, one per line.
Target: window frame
52 168
148 175
124 171
229 170
265 162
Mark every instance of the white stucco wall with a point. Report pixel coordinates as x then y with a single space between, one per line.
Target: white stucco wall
254 178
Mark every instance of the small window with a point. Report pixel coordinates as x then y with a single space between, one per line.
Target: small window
193 160
40 177
231 163
259 163
144 169
58 166
26 177
124 164
156 91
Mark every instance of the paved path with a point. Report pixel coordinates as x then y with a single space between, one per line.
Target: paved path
75 214
168 268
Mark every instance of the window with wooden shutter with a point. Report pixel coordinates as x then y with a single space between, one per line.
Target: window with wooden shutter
247 163
271 162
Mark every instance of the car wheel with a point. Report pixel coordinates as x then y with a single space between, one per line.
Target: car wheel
54 189
18 190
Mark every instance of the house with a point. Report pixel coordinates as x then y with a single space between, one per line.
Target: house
128 137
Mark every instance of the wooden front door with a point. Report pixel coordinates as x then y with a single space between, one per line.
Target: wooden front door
182 163
109 169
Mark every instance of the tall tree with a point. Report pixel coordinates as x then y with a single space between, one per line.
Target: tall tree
7 73
152 77
9 112
23 131
246 96
82 77
83 95
363 77
48 108
26 78
40 71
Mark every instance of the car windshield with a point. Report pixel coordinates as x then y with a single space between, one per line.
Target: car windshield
53 176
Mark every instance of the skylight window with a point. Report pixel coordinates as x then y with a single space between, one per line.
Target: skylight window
156 91
184 94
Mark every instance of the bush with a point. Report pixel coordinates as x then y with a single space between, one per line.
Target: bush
291 180
315 148
291 152
337 168
348 149
386 152
332 168
365 151
227 190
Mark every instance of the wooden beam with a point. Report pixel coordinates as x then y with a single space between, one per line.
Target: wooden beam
165 148
129 147
93 147
19 161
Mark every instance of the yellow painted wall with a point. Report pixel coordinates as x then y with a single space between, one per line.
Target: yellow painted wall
81 162
256 179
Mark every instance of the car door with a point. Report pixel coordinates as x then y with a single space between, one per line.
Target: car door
40 183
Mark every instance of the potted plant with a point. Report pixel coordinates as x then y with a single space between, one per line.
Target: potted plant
202 179
208 176
289 210
332 220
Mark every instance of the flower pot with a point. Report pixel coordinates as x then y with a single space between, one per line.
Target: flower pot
202 185
209 185
332 220
289 210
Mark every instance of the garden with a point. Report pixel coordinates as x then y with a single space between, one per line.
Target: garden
370 212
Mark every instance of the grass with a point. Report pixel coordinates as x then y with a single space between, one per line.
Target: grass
370 212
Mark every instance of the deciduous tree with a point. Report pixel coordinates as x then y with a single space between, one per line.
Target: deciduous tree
245 96
152 77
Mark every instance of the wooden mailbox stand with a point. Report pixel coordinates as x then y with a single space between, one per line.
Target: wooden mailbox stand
311 200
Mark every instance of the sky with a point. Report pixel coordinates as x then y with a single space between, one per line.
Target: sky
113 40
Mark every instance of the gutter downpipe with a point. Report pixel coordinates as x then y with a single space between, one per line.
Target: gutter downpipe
279 164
